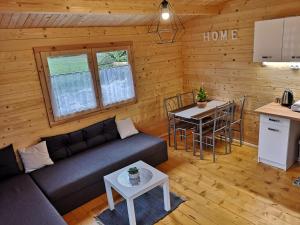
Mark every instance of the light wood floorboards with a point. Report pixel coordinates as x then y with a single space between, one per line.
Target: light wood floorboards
234 190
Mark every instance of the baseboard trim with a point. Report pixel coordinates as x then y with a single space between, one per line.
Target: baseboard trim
246 143
237 141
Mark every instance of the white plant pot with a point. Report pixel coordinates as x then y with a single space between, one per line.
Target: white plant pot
134 179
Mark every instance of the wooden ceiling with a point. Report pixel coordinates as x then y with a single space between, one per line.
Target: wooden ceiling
89 13
26 20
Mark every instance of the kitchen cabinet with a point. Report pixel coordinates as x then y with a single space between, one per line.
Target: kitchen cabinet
291 40
268 40
279 133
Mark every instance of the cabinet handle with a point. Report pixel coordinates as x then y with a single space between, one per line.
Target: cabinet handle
271 129
273 120
295 57
266 57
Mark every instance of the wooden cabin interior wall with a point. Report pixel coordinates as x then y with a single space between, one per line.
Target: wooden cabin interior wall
226 67
23 117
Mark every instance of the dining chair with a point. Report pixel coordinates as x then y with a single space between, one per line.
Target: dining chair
176 125
187 98
183 126
171 104
219 125
237 124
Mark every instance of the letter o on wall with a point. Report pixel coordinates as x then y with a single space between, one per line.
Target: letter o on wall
215 35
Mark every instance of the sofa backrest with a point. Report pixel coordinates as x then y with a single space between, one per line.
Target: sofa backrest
65 145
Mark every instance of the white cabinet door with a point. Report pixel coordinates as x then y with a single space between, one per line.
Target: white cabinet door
291 40
273 140
268 36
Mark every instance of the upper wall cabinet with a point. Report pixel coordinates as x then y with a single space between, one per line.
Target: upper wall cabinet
291 40
268 40
277 40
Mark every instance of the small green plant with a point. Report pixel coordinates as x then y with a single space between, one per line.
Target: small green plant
133 170
202 95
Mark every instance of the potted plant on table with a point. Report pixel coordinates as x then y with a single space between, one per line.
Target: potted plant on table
201 98
134 176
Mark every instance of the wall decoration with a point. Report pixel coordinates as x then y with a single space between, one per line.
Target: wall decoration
222 35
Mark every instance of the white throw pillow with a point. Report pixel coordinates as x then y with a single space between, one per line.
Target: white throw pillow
126 128
35 157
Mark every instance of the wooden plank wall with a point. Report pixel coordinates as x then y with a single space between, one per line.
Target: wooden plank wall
226 67
23 118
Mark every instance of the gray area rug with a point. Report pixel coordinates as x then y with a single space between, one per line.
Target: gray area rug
149 209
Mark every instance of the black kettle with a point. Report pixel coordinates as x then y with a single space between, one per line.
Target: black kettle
287 98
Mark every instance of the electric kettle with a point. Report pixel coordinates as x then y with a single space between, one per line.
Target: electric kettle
287 98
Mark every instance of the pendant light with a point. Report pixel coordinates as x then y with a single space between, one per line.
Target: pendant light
165 12
166 25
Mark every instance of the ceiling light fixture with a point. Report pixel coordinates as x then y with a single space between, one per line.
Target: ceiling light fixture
166 25
165 12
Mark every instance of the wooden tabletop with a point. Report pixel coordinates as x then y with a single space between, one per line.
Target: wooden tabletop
276 109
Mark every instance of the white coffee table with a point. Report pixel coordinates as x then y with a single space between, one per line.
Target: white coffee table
150 178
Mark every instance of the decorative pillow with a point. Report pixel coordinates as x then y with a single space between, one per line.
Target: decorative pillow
8 163
35 157
126 128
57 146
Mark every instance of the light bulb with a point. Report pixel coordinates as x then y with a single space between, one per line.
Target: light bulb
165 15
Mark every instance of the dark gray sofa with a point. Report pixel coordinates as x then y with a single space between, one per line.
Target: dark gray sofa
81 159
84 156
22 203
73 181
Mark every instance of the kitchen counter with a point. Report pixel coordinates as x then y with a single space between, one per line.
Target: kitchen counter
276 109
279 134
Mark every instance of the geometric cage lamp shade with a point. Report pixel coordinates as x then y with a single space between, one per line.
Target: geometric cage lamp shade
166 25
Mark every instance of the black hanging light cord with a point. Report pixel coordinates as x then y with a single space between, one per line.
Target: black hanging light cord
165 4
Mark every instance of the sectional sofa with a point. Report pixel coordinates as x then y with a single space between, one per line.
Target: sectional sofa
81 159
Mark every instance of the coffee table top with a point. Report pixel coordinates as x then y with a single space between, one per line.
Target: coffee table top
150 178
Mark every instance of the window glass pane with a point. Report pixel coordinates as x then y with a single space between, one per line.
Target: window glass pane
72 84
115 77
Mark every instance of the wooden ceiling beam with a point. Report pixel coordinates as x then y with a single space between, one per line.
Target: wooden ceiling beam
100 7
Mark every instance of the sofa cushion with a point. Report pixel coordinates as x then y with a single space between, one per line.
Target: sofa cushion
78 172
64 145
22 202
100 133
57 146
8 163
76 142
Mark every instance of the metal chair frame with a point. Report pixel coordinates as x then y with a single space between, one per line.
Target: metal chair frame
239 121
183 134
190 94
171 104
220 124
189 125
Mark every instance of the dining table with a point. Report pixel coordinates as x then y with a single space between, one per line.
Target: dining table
195 115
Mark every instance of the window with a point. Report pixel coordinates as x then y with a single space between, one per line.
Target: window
78 80
115 74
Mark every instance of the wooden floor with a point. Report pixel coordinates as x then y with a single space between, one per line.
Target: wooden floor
234 190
